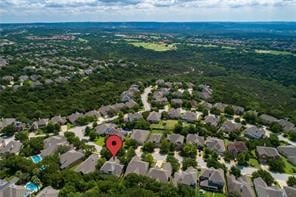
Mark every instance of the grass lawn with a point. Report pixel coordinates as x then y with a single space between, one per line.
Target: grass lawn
213 194
100 141
289 168
160 47
164 125
274 52
253 162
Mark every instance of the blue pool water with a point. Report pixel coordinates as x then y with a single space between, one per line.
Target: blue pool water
36 159
31 187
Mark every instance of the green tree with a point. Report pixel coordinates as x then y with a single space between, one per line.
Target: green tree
187 162
148 147
266 176
22 136
235 171
174 162
189 150
291 181
276 165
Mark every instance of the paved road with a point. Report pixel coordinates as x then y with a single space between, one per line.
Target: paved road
144 98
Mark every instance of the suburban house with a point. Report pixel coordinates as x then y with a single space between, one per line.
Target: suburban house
266 153
10 189
242 186
12 147
58 120
254 132
267 119
69 158
177 102
189 116
48 192
132 117
89 165
187 177
105 128
4 122
131 104
161 174
238 110
220 106
289 152
229 126
73 117
106 111
195 139
237 147
174 113
140 135
177 140
40 123
136 165
287 125
51 144
205 92
112 167
154 117
263 190
290 191
212 120
93 113
216 145
206 105
212 179
155 138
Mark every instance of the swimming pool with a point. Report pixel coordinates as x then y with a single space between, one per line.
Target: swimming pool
31 187
36 159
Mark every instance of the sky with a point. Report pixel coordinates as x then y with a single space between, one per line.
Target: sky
26 11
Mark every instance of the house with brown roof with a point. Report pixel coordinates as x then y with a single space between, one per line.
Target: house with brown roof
215 144
263 190
174 113
154 117
161 174
51 145
187 177
237 147
177 140
212 179
140 135
212 120
229 126
89 165
155 138
189 116
13 147
241 186
195 139
265 153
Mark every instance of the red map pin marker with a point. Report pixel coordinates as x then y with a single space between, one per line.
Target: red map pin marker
114 144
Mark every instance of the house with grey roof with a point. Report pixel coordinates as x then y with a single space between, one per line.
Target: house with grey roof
48 192
51 145
204 92
70 158
12 147
187 177
174 113
220 106
229 126
212 179
112 167
154 117
254 132
10 189
106 111
267 119
215 144
195 139
177 94
40 123
263 190
140 135
4 122
265 153
290 191
131 104
93 113
137 166
177 102
177 140
132 117
287 125
73 117
89 165
161 174
105 128
189 116
242 186
58 120
206 105
155 138
212 120
288 151
238 110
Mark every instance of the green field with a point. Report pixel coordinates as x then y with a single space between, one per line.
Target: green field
289 168
100 141
274 52
164 125
160 47
213 194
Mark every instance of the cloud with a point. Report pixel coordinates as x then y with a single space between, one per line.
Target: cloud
41 10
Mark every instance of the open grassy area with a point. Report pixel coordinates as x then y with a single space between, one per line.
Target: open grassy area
213 194
273 52
164 125
160 47
289 167
100 141
253 162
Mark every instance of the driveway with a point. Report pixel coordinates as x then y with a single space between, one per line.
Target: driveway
144 98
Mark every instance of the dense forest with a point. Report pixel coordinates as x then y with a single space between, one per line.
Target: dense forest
241 68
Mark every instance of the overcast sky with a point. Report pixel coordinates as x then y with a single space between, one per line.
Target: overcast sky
146 10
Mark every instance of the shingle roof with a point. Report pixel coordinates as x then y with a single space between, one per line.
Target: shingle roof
69 158
89 165
215 144
112 167
289 151
263 190
154 117
137 166
52 143
174 113
241 186
176 138
254 132
48 192
189 116
290 191
212 120
155 138
195 139
11 147
140 135
229 126
188 177
268 151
